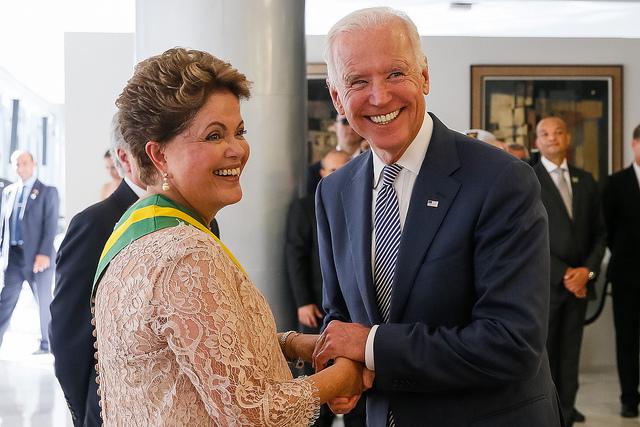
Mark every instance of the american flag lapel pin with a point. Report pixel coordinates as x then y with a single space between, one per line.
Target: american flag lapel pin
432 203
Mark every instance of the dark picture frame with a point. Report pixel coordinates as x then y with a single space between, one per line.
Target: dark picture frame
508 100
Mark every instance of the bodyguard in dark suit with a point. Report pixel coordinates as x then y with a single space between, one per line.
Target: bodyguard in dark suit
71 330
577 243
621 206
453 225
29 223
305 278
301 249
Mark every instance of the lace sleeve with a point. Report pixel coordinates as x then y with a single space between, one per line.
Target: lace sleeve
223 335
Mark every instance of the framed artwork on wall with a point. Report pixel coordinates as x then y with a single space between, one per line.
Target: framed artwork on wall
508 100
320 113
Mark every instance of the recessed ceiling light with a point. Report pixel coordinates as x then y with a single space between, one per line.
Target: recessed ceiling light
460 5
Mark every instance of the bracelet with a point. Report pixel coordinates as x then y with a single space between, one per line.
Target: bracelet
299 363
283 340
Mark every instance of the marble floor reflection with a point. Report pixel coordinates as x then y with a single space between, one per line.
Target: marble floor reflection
31 397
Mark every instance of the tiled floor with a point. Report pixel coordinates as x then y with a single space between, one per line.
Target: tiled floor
31 397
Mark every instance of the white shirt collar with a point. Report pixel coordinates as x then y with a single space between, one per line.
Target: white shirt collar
28 183
550 166
140 192
413 157
636 167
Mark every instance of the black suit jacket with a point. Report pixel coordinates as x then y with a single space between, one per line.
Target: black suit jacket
71 331
577 242
303 261
621 206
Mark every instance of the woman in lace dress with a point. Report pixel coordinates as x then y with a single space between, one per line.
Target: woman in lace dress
183 336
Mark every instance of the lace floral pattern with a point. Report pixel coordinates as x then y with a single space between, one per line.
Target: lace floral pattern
185 339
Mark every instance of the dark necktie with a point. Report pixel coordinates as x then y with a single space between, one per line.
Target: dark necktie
386 222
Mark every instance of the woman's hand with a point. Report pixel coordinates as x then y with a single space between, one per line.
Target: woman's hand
362 380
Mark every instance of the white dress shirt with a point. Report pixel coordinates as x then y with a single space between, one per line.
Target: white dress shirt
550 167
411 162
636 168
140 192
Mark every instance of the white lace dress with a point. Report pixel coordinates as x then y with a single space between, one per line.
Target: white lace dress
185 339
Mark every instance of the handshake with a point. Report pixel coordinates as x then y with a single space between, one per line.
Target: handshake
338 356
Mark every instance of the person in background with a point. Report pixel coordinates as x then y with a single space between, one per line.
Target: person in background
305 279
577 243
433 249
29 224
485 136
72 342
519 151
348 141
112 170
184 338
621 207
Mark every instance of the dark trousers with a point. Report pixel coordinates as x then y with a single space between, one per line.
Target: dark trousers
356 418
626 317
41 285
566 321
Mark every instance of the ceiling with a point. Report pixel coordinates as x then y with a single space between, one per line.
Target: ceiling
32 48
499 18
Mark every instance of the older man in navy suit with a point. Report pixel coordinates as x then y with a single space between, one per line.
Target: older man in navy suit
434 250
29 223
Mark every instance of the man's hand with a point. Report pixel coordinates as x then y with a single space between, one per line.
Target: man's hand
340 339
41 263
575 280
309 314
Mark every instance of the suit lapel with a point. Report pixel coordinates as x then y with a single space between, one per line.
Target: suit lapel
547 182
433 194
577 195
633 188
356 199
36 191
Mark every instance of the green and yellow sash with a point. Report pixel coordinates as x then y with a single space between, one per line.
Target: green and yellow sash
144 217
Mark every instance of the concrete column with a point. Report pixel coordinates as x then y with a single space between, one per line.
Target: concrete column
264 39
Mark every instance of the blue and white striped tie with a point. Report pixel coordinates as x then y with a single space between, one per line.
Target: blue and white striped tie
386 222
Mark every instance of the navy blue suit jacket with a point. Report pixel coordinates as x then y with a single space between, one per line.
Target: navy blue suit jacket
71 331
465 344
39 222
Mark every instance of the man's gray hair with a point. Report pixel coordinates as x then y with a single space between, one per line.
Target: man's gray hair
117 141
369 18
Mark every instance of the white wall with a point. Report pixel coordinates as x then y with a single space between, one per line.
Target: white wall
97 66
450 59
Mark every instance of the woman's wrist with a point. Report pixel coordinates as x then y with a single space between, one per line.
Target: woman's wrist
285 339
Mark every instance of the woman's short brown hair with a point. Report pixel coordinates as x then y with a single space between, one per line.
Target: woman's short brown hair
165 93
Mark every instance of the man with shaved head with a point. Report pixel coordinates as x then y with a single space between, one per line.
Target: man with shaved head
577 243
29 224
